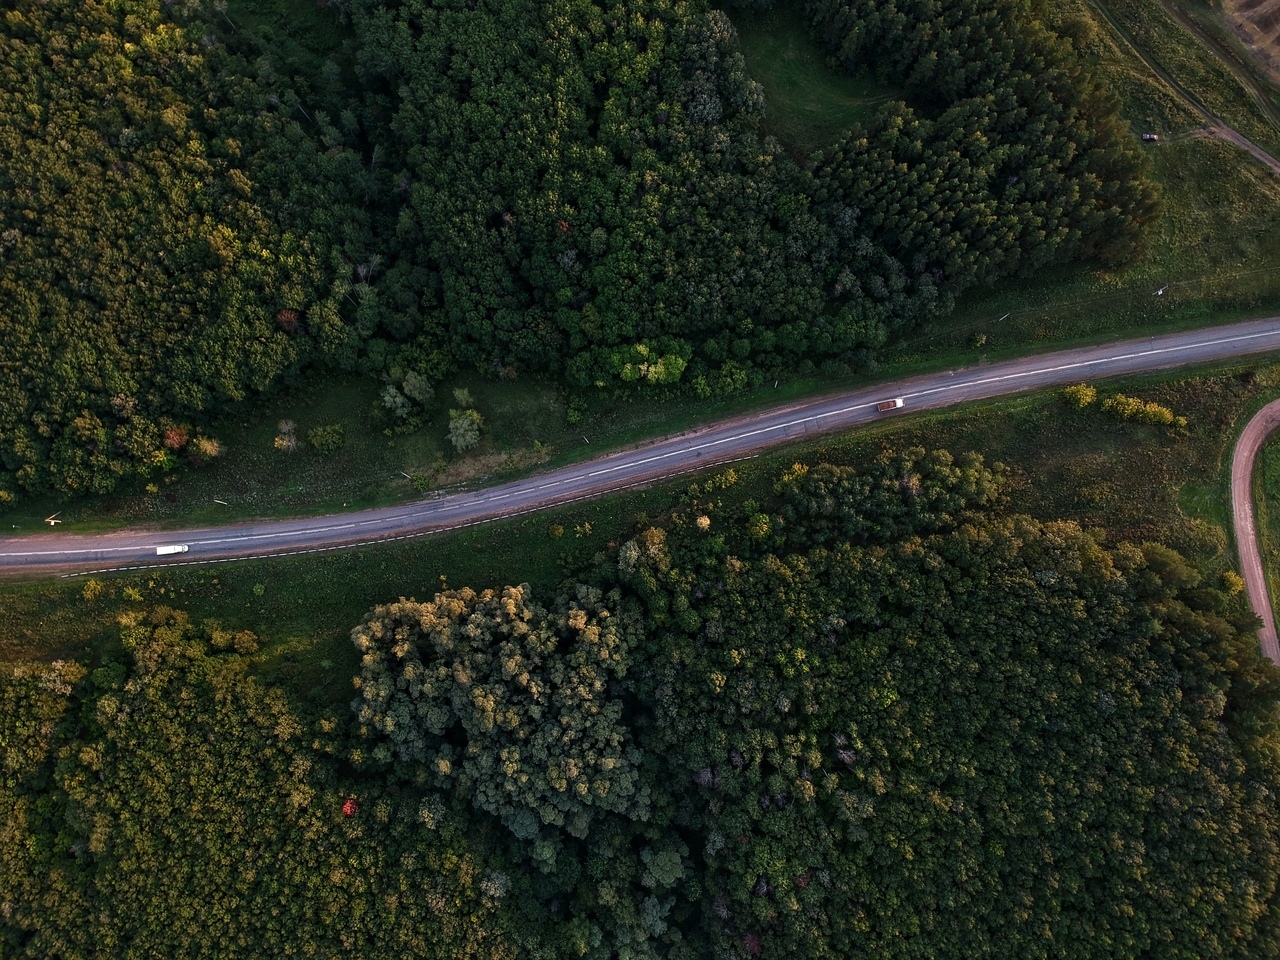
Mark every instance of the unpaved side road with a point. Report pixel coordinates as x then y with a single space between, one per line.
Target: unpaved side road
1251 439
1215 126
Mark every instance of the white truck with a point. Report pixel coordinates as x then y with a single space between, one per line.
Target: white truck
884 406
170 550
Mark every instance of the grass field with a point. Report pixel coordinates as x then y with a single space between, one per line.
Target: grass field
1136 482
1186 61
1213 28
1267 492
810 103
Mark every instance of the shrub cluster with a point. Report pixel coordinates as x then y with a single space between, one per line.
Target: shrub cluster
1131 408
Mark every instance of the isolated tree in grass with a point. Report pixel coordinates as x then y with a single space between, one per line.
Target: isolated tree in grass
417 387
464 429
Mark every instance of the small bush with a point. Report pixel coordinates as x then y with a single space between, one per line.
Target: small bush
1080 395
327 439
416 387
464 429
203 449
396 403
175 437
287 437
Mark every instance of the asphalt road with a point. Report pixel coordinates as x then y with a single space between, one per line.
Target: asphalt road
1251 439
63 550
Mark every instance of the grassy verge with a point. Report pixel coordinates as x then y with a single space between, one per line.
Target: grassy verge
1267 501
810 103
1135 482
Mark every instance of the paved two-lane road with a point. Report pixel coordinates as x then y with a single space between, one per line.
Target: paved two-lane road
716 443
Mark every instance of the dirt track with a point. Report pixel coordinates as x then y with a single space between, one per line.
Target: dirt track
1215 126
1251 439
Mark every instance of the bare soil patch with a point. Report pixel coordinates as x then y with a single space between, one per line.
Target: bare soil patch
1257 24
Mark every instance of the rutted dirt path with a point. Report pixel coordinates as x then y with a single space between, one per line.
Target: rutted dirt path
1257 24
1214 125
1251 439
1224 55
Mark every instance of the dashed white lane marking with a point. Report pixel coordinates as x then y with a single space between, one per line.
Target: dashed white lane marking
371 543
1156 351
441 506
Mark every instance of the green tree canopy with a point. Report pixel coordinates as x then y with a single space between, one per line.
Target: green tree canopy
984 735
170 805
506 701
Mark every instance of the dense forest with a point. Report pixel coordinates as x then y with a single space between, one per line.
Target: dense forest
876 715
574 189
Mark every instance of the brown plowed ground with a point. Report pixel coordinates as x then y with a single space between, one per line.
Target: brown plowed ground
1257 24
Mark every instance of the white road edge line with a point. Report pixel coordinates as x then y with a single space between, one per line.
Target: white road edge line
443 505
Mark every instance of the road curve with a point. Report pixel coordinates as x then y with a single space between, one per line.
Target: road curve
1251 439
713 444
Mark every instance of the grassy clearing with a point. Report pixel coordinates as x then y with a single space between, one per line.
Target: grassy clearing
810 103
1212 26
1216 245
1136 482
